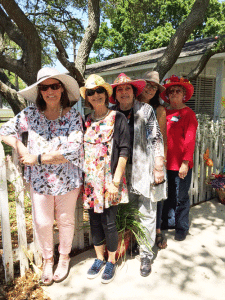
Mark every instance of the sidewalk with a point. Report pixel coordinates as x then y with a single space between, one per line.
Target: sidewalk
193 269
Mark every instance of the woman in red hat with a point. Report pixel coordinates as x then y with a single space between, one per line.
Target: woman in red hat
145 165
181 132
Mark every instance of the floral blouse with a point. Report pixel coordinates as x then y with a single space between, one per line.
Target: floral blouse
98 140
64 134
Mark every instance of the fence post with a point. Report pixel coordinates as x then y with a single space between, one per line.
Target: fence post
20 215
6 233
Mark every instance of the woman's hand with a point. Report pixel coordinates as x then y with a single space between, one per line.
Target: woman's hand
159 176
113 192
183 169
28 159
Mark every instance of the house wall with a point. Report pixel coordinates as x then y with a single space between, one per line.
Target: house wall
214 70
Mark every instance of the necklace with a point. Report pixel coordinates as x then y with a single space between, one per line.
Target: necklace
59 117
100 118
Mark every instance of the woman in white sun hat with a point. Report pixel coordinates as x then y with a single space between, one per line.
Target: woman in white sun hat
53 161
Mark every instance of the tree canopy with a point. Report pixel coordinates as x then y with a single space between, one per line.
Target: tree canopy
137 26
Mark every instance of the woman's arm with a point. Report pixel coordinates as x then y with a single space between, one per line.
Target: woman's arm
20 148
55 157
161 118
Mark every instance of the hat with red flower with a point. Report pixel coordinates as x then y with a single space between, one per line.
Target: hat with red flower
122 78
175 80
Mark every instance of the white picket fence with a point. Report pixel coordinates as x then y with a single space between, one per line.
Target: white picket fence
10 170
209 135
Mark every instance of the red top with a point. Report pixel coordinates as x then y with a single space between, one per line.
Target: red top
181 132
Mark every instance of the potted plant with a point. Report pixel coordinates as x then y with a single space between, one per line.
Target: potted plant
217 181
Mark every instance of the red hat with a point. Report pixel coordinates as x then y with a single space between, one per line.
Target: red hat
124 79
175 80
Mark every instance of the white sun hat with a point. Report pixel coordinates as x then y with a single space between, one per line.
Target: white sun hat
30 93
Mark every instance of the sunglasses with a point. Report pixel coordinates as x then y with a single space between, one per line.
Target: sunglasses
99 90
153 87
176 91
54 87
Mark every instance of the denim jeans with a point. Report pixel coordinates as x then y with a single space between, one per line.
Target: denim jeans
176 208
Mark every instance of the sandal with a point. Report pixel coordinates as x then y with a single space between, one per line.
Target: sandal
47 273
62 270
160 241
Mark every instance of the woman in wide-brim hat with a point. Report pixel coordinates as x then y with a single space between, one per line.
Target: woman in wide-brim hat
145 165
150 95
181 132
53 161
106 146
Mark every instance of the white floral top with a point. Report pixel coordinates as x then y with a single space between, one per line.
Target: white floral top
64 134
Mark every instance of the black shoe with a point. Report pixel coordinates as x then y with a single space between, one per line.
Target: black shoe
180 235
145 268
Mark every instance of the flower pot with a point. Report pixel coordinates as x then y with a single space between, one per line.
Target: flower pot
221 195
123 244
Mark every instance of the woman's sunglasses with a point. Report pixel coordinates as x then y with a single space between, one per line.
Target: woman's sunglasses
54 87
99 90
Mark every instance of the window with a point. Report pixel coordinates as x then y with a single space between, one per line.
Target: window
202 101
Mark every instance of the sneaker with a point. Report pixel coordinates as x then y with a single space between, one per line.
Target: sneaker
109 272
95 269
145 268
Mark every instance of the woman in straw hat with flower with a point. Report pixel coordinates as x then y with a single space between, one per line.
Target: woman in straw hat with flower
150 95
106 145
145 166
53 161
181 132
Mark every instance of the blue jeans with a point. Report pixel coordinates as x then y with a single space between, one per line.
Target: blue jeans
176 208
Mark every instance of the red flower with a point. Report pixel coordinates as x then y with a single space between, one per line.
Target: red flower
87 191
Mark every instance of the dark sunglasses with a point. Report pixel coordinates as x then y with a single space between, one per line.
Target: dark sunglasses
54 87
99 90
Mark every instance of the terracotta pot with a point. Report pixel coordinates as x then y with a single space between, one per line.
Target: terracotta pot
221 195
123 244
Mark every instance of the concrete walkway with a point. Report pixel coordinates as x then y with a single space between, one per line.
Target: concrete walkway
193 269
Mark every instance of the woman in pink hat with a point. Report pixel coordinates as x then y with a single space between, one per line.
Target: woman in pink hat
53 162
106 146
181 131
150 95
145 164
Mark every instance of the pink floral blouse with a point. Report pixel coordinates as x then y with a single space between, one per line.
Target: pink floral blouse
64 134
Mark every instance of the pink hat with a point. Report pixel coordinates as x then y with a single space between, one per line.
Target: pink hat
124 79
175 80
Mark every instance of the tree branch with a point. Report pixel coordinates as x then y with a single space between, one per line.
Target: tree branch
218 47
178 40
90 35
63 58
16 102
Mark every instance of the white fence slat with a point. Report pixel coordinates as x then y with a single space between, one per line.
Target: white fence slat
20 214
6 232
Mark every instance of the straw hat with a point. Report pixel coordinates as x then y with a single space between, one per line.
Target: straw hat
71 85
153 76
124 79
175 80
94 81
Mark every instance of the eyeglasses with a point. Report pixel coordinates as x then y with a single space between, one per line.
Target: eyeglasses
177 91
54 87
99 90
150 86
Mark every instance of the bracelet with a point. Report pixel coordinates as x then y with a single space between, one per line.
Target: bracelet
159 170
39 159
116 183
